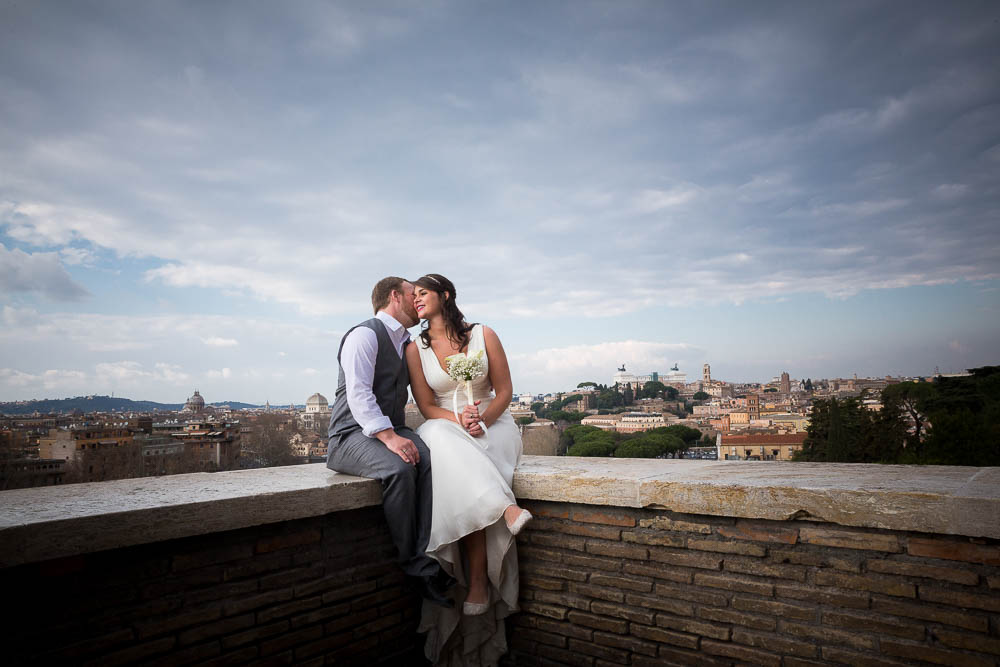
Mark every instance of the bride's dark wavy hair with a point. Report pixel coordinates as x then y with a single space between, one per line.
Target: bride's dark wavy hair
454 321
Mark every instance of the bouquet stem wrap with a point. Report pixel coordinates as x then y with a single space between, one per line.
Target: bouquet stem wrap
464 368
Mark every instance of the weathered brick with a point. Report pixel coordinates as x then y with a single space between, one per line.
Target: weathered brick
220 591
954 550
993 582
653 539
967 641
291 639
562 628
617 550
690 594
563 600
836 654
685 558
322 645
598 651
186 656
874 623
737 618
774 608
625 643
546 509
544 610
288 540
581 529
825 558
350 620
375 598
660 603
848 538
239 657
734 583
727 547
664 636
760 533
828 635
597 622
253 567
885 585
761 569
320 615
352 591
608 517
555 572
593 562
904 568
775 644
913 651
742 653
223 554
531 581
621 582
530 552
376 625
289 577
670 657
217 629
792 661
544 637
659 572
564 657
559 541
693 626
163 625
960 598
928 613
824 596
666 523
287 609
599 592
253 634
621 611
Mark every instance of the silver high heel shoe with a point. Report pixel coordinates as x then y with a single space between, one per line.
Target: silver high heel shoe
520 522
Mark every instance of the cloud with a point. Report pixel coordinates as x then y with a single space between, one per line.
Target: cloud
216 341
39 273
221 374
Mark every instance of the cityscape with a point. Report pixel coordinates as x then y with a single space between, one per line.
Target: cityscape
710 417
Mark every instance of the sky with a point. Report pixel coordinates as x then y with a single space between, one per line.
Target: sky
201 195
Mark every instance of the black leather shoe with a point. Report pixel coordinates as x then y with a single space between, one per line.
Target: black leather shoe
435 589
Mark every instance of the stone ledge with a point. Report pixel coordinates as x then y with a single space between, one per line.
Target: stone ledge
51 522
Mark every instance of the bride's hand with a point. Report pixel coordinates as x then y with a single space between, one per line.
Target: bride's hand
471 418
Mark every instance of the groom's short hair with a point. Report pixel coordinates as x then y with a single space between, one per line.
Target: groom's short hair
383 291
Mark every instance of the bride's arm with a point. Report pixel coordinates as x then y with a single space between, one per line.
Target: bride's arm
499 377
422 392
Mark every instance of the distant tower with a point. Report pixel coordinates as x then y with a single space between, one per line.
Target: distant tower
786 383
706 373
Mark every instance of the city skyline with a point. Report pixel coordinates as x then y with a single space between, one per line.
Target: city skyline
202 196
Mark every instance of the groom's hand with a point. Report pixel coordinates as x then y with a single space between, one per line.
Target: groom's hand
402 447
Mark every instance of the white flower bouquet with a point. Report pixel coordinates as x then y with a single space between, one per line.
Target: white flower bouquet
464 368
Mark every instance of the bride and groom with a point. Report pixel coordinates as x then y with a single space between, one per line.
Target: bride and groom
454 529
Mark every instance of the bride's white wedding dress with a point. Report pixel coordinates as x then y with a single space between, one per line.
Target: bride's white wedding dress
471 491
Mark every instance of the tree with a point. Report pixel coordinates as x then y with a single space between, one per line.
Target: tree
627 397
671 393
808 384
586 384
524 421
537 408
591 448
575 432
700 396
910 399
771 390
653 389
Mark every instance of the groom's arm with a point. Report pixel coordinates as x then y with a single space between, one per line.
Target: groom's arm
357 358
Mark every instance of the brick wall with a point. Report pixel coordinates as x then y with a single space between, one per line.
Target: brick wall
318 591
611 586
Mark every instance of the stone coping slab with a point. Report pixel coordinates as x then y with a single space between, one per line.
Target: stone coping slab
51 522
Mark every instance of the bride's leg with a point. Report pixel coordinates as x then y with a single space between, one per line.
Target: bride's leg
475 550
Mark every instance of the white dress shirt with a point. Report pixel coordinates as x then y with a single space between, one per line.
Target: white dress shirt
357 358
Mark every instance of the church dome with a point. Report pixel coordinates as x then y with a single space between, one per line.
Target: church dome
195 404
317 403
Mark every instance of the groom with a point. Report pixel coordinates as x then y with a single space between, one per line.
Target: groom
368 433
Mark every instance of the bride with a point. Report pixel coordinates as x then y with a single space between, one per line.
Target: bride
475 515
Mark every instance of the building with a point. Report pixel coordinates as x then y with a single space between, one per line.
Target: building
68 444
316 418
195 404
759 447
605 422
635 422
786 384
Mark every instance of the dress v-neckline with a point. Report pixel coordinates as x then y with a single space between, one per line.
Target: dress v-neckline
438 359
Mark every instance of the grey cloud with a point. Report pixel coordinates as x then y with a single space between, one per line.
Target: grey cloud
40 273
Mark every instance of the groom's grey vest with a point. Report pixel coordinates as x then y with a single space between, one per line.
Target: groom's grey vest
388 384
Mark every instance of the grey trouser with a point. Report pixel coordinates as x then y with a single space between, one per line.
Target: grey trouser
406 491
